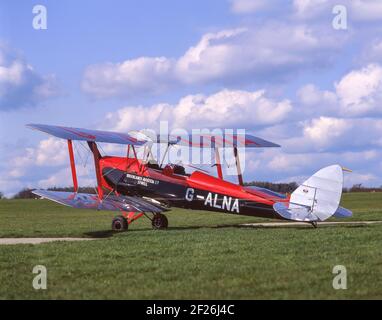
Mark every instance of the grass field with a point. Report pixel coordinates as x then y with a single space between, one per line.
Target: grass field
201 256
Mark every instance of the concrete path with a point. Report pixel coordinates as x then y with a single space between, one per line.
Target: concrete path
304 224
9 241
38 240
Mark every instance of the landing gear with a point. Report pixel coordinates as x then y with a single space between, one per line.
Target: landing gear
119 224
159 221
314 224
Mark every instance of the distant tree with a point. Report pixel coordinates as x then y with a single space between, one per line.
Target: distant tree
90 190
277 187
1 195
25 194
359 188
290 187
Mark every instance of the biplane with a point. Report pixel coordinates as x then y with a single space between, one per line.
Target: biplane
135 187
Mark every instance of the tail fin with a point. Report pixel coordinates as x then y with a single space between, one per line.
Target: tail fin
317 199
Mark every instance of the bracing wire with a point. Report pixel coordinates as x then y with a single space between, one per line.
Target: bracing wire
104 153
87 153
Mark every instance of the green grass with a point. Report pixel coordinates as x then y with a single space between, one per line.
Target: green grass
201 256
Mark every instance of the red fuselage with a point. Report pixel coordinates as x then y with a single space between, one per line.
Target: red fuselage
174 187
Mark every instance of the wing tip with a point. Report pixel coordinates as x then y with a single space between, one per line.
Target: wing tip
269 144
34 126
274 145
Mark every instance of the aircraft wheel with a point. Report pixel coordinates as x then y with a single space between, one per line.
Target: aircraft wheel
119 224
159 221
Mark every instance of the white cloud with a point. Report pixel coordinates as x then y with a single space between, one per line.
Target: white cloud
270 50
366 10
312 101
308 8
49 152
373 51
324 130
360 91
129 77
20 85
281 165
329 134
214 56
366 179
248 6
350 179
300 164
224 109
358 10
63 178
46 165
326 134
360 157
287 167
9 186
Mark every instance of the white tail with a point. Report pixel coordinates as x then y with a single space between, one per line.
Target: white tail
317 199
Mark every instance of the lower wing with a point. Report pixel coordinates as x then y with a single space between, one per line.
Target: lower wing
91 201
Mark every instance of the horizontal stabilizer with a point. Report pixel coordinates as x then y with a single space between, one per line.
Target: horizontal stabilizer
91 201
298 213
342 213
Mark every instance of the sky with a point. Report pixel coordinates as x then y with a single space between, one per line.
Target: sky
299 73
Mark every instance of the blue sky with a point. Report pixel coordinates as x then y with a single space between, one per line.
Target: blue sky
276 68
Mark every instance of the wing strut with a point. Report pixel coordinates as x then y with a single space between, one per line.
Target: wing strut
164 155
218 164
73 166
97 157
239 173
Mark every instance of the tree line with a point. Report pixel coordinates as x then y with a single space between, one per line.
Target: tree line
290 187
359 188
26 193
277 187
